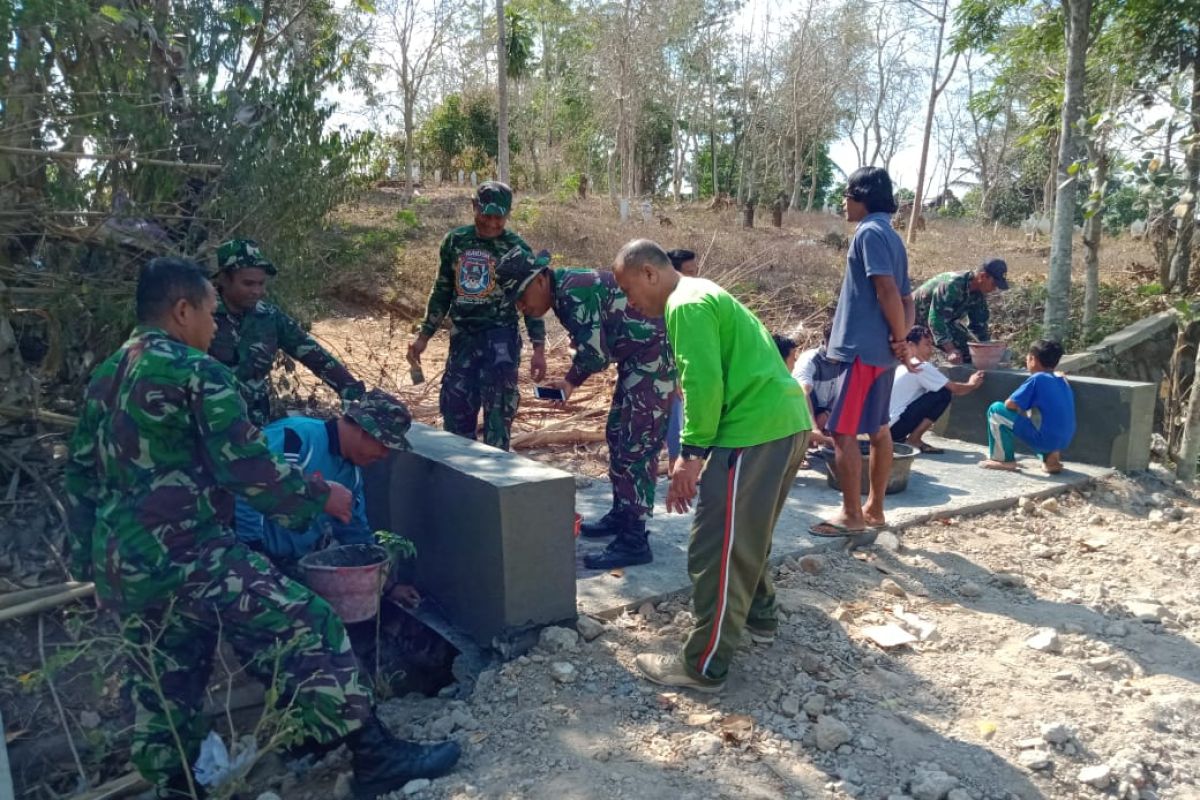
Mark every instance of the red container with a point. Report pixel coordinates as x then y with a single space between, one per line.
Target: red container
350 577
578 524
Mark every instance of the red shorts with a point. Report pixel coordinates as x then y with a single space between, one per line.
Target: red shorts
863 400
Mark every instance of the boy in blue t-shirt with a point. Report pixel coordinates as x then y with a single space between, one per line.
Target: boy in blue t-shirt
1051 395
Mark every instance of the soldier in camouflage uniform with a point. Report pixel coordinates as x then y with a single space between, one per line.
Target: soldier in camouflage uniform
604 329
251 331
161 445
485 345
943 300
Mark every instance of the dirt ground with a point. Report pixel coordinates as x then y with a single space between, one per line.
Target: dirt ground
1055 652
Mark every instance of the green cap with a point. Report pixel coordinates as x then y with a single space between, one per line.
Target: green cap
240 253
494 197
383 417
516 269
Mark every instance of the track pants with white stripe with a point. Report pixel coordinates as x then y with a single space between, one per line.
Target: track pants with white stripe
742 492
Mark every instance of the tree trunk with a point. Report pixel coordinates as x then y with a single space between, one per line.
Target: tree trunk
934 91
1181 261
1092 232
501 93
812 178
797 174
409 132
1058 285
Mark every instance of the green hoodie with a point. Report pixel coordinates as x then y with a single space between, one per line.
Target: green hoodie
737 390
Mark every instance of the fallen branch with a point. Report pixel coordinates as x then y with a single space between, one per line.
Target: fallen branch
47 603
542 438
67 155
118 787
29 595
62 715
38 414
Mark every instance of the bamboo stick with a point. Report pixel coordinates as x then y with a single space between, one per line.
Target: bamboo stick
29 595
47 603
49 417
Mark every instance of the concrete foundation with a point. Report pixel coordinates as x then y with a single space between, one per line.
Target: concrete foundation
492 530
1114 418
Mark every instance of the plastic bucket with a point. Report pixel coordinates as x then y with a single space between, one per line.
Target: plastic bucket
350 577
987 355
902 459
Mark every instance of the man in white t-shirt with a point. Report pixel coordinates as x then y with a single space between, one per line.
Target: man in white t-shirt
818 376
921 396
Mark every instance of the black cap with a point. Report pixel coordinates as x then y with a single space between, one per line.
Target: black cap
998 270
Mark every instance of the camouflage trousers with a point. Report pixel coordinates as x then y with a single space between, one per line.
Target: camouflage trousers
960 337
286 636
637 430
473 381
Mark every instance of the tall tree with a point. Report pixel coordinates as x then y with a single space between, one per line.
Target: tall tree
410 34
501 93
940 12
1058 284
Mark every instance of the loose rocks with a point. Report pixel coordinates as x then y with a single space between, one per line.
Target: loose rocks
558 640
831 733
1045 640
589 627
932 784
563 672
1035 759
1099 776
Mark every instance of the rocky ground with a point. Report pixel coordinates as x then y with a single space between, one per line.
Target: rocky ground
1046 651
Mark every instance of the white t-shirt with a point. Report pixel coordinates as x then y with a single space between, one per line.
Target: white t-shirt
908 386
803 371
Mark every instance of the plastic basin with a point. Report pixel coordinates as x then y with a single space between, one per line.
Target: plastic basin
350 577
903 456
987 355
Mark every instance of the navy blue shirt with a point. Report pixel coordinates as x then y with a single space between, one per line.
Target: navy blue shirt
1051 395
859 328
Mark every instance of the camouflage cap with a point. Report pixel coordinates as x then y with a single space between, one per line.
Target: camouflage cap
516 269
240 253
383 417
494 197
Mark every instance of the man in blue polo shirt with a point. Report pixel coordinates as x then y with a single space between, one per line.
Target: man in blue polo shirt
874 314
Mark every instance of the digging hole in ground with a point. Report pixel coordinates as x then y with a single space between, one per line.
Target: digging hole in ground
413 657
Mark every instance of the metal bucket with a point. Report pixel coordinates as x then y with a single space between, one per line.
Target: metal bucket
903 456
350 577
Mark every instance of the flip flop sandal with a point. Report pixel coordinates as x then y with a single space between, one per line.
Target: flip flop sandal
832 530
930 450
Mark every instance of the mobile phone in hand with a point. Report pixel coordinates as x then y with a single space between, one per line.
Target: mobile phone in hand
548 393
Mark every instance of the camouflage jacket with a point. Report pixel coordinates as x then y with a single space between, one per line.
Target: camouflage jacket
945 299
162 442
466 290
247 344
602 325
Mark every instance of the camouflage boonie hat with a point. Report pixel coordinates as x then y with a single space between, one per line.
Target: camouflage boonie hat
516 269
239 253
383 417
494 197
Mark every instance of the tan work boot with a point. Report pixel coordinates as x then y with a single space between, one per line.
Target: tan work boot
669 671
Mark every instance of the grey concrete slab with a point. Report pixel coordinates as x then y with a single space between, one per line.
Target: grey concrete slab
492 530
940 486
1115 418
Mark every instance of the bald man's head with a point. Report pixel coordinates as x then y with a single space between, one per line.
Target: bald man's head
646 276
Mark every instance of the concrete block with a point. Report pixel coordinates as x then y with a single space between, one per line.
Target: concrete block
493 530
1114 418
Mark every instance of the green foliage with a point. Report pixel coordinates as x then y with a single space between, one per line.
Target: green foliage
460 133
407 218
398 547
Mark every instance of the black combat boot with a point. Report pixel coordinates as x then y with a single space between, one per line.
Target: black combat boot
382 763
630 548
608 525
